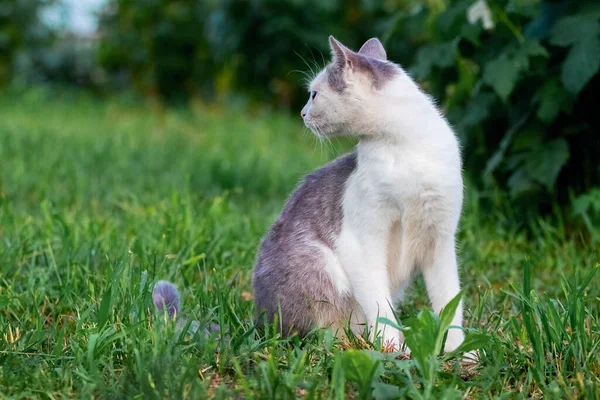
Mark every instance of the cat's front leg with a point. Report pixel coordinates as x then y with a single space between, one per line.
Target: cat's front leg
442 281
363 258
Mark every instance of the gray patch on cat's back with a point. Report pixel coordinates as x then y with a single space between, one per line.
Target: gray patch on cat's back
290 273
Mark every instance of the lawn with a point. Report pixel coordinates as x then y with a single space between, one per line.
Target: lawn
100 199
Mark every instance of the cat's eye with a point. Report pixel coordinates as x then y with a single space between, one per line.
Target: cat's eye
313 94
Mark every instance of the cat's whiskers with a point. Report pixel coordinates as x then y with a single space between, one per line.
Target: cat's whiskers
332 147
315 140
307 78
319 136
313 73
314 61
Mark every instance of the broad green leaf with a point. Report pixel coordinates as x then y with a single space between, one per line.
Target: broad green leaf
453 19
533 48
544 163
520 182
529 137
446 316
385 391
386 321
571 30
448 312
358 366
587 202
473 341
498 156
502 75
552 99
467 77
527 50
433 55
582 63
585 206
477 110
421 337
471 33
526 8
338 378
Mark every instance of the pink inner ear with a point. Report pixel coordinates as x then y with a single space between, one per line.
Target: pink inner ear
373 49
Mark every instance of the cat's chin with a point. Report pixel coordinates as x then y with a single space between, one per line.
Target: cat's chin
323 131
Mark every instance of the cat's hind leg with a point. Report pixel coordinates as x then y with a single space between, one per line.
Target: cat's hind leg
300 291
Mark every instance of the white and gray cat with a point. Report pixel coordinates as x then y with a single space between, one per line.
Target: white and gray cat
354 232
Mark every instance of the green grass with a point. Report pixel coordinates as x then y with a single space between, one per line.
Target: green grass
99 200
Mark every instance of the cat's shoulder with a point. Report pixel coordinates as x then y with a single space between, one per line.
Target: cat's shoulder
341 167
326 184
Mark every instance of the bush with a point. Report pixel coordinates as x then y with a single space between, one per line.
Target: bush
179 48
23 38
520 91
516 77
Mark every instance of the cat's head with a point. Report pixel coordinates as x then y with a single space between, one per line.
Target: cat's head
345 95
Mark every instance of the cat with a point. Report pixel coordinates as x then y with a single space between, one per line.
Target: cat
355 232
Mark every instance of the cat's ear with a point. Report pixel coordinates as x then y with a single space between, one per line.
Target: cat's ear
346 63
373 49
342 56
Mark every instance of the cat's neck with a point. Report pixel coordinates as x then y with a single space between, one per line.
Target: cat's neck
409 124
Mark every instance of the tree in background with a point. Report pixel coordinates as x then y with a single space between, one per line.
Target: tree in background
180 48
23 36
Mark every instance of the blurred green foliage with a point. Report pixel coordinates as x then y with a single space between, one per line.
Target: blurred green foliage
520 94
22 37
516 78
174 48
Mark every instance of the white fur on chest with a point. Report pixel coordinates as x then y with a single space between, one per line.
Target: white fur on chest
403 198
402 203
404 183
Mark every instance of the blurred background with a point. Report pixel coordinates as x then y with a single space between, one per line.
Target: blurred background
518 79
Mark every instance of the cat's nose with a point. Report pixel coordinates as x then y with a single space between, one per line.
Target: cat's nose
303 113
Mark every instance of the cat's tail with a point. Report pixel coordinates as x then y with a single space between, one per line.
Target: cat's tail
166 296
